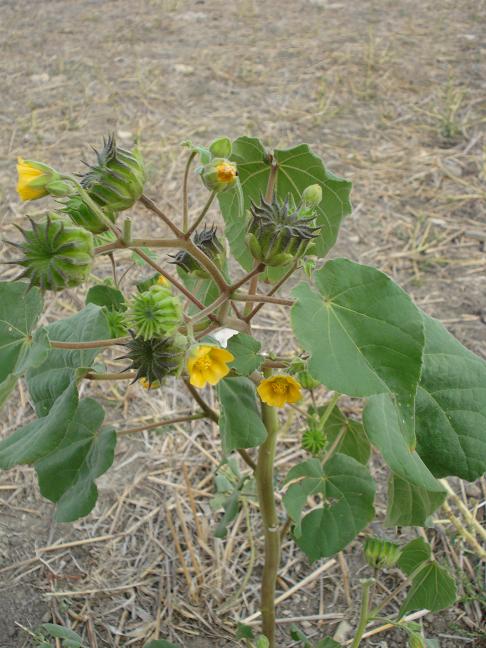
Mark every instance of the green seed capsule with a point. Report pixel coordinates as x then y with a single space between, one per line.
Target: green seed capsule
154 359
116 181
306 380
276 235
208 242
117 323
155 312
381 553
314 440
81 214
56 253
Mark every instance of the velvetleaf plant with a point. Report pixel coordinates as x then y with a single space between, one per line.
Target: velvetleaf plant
356 332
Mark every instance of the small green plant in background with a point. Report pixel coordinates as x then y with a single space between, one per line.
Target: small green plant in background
356 332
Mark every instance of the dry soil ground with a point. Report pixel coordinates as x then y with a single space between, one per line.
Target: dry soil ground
392 95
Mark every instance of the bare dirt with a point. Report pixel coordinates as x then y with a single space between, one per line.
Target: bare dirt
392 95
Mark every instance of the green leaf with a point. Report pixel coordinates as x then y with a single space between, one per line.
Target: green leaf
262 642
111 298
20 309
410 505
328 643
53 376
231 508
61 632
348 491
413 555
240 422
432 589
363 332
42 436
244 631
451 406
35 352
160 643
245 349
67 475
6 388
354 442
298 167
382 424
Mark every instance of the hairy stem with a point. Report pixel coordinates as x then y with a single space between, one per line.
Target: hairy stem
185 193
149 204
114 375
363 617
157 424
268 510
271 292
92 344
262 298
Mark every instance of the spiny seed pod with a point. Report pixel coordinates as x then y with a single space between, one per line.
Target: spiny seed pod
81 214
381 553
117 322
277 235
207 241
56 253
219 175
117 180
154 312
314 440
154 359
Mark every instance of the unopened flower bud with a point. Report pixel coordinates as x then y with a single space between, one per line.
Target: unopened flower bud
219 175
36 180
312 195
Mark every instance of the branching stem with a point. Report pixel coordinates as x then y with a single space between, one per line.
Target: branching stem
185 193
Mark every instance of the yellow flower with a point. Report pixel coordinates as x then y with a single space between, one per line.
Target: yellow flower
162 281
208 364
146 385
279 389
28 173
226 172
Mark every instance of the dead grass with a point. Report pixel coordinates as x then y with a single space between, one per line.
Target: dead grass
392 95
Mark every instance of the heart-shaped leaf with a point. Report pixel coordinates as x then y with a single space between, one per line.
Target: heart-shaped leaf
363 332
347 490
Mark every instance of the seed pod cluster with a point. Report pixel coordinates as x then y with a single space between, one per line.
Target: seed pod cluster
154 312
381 553
154 359
208 242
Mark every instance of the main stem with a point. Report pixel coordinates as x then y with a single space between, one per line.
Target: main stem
364 614
268 510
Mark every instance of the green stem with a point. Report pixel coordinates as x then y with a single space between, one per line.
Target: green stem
363 616
268 510
93 344
201 216
185 194
149 204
